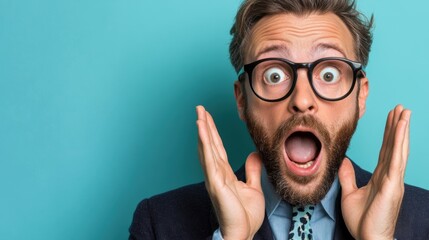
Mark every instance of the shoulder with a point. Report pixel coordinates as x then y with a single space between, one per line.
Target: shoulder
183 213
413 221
413 218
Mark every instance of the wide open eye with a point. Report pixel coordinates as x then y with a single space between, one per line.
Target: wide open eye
329 75
274 76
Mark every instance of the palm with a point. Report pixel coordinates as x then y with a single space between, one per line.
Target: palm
245 204
239 206
371 212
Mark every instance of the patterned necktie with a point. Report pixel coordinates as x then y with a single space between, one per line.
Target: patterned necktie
300 227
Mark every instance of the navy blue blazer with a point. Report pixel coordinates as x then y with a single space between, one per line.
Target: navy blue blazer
187 213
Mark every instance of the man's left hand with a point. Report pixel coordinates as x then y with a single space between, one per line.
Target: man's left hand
371 212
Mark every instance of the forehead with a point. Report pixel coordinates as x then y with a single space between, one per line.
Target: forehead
299 38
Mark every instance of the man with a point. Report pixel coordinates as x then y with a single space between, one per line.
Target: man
301 90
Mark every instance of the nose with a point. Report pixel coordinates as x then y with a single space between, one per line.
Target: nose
302 99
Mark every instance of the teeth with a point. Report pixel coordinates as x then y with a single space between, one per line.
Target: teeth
304 166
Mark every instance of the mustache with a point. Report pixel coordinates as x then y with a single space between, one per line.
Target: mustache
266 143
308 121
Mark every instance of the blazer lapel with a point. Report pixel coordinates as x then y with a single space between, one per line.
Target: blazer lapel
265 232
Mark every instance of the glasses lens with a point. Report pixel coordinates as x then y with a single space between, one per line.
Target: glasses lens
272 79
332 79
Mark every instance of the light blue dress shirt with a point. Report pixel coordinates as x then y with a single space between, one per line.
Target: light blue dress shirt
279 213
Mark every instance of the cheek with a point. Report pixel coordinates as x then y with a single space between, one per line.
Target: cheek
334 114
269 115
343 116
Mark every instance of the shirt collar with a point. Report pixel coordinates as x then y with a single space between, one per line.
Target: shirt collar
273 200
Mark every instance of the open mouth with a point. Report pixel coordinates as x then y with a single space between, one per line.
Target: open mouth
302 150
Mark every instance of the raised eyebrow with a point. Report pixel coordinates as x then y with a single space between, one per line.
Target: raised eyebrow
329 46
273 48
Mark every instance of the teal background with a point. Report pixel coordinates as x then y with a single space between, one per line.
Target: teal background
97 104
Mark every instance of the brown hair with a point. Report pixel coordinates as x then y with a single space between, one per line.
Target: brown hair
251 11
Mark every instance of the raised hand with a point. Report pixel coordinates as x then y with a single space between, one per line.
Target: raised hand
371 212
239 206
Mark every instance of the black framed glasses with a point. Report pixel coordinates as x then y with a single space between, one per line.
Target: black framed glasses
274 79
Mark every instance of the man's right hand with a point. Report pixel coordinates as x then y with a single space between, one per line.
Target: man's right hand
239 206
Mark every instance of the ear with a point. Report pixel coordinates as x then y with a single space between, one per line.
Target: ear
363 94
240 99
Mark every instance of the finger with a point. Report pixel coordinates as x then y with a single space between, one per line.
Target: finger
398 112
207 159
215 151
400 148
200 119
346 175
253 171
389 121
205 117
216 138
391 140
406 145
201 113
396 167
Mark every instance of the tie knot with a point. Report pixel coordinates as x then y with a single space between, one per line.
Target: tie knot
302 211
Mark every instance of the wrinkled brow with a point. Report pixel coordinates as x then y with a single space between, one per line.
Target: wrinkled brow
328 46
274 48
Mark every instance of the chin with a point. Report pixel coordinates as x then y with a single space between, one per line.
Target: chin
303 189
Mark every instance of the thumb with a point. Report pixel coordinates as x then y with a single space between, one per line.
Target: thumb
253 170
346 174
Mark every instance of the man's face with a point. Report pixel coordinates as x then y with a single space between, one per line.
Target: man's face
302 139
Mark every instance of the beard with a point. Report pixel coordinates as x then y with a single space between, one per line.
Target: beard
290 187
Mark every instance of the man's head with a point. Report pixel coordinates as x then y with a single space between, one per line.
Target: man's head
300 118
251 11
